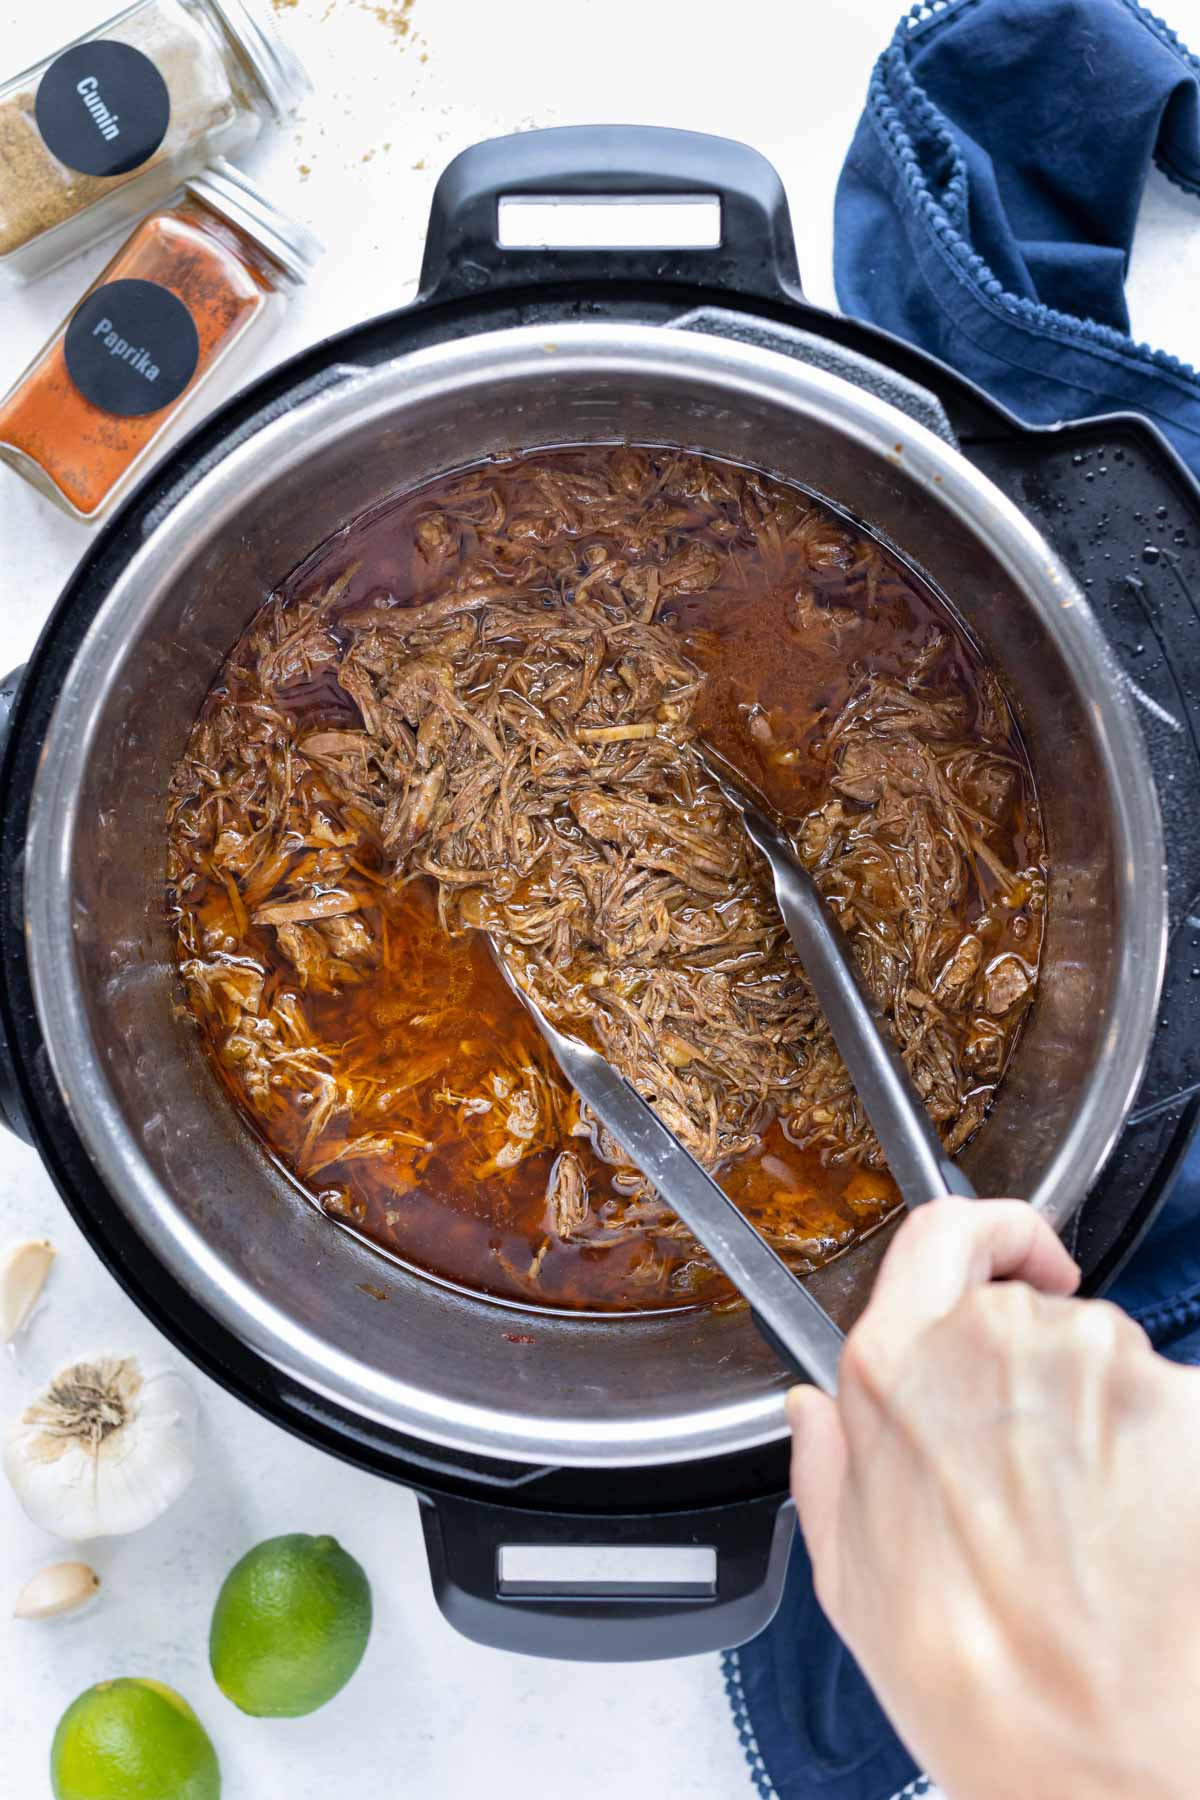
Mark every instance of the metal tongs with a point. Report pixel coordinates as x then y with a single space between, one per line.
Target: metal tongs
795 1325
791 1320
918 1163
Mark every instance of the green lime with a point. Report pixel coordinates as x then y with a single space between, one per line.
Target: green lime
290 1626
132 1740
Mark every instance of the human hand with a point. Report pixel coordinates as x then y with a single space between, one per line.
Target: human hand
1002 1508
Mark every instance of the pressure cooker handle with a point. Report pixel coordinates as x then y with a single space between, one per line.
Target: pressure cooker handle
607 1620
755 252
11 1112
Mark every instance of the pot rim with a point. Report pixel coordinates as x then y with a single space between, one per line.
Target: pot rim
578 349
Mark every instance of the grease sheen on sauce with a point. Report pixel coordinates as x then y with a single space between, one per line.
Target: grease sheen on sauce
434 1015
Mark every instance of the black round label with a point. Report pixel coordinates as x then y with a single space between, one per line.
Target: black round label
102 108
132 347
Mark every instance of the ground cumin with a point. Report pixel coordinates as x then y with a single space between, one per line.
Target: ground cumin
82 452
38 192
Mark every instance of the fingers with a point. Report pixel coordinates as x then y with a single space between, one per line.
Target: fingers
818 1472
942 1252
951 1245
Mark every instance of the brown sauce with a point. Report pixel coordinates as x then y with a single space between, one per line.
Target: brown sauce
423 1033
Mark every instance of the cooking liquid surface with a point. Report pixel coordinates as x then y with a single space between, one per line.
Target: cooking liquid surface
783 644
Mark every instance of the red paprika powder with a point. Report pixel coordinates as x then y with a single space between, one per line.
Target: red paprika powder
177 298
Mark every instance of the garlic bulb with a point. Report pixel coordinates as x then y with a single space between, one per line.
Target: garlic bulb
104 1450
64 1587
23 1272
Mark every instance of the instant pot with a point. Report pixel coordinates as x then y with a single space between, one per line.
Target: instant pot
1071 554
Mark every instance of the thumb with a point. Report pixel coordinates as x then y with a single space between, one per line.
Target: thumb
819 1458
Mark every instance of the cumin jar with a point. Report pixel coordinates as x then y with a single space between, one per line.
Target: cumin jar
191 287
106 127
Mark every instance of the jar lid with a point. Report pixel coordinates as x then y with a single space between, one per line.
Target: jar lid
280 73
285 240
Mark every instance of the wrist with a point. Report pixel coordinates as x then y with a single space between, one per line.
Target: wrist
1045 1720
1001 1749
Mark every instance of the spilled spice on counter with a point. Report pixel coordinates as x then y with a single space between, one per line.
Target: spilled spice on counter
395 15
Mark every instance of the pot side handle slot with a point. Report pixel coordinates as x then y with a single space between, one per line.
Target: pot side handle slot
751 250
497 1577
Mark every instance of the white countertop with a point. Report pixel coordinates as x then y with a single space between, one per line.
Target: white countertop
428 1714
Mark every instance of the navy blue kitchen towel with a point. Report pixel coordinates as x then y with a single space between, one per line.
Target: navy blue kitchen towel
986 209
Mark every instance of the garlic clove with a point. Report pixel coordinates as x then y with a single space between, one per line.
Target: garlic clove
64 1587
23 1272
104 1450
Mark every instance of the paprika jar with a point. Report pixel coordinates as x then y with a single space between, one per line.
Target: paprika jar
108 126
190 287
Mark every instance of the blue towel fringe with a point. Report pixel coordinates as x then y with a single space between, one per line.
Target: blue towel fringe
1171 1319
732 1670
731 1667
944 214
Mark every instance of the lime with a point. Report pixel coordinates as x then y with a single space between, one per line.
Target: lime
290 1626
132 1740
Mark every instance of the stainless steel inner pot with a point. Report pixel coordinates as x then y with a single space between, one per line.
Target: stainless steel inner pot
176 1158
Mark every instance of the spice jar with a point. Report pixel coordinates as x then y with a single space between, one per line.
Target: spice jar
106 127
170 309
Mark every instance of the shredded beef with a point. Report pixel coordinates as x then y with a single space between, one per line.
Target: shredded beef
524 738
